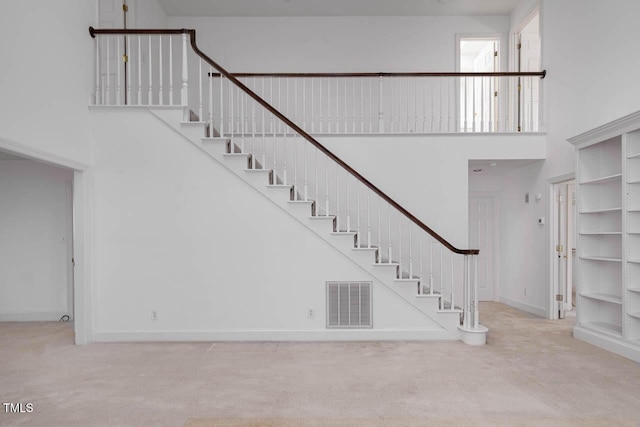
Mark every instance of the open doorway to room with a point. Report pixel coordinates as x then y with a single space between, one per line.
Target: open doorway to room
478 99
36 248
527 57
563 248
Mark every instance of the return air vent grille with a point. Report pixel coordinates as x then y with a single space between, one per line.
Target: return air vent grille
348 304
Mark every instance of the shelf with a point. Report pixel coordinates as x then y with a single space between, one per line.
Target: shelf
633 210
595 211
603 297
601 258
634 260
633 156
634 290
636 315
607 328
635 181
603 179
602 233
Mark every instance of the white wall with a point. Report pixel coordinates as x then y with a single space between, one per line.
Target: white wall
336 44
591 80
428 175
149 14
47 77
177 233
35 222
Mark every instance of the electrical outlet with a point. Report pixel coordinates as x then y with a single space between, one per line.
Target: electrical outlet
311 313
154 315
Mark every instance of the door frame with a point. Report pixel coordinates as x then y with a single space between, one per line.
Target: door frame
552 284
81 224
495 195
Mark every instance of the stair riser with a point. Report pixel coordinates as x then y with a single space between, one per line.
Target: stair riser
238 164
215 148
195 132
426 305
385 272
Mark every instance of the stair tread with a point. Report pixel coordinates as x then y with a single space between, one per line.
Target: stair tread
372 248
301 201
322 217
258 170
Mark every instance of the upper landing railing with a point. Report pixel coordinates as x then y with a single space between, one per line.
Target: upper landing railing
272 121
321 103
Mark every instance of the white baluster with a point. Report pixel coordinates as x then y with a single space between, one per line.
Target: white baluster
358 217
295 100
242 120
421 275
160 97
425 82
304 104
408 97
316 193
337 106
379 230
410 253
210 79
432 91
184 94
98 99
313 117
441 280
473 102
466 110
353 104
139 70
441 101
389 226
221 106
284 158
348 202
108 94
128 70
431 266
171 73
482 104
306 181
368 221
200 89
264 133
150 72
415 104
361 105
118 83
232 113
295 166
337 198
328 105
275 148
400 247
321 104
326 186
391 101
452 271
253 130
380 113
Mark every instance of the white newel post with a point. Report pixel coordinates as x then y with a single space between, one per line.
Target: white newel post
184 92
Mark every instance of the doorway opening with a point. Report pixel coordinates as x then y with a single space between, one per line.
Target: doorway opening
528 53
37 245
478 99
563 249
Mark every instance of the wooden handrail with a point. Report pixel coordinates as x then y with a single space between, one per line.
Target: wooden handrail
542 74
192 35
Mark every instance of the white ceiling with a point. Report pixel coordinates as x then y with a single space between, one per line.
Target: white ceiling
501 166
337 7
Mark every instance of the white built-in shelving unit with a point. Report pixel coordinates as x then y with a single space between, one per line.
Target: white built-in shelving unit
608 175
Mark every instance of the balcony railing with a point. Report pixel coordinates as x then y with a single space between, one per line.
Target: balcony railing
158 70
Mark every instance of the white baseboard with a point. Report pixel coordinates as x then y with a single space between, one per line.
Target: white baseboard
613 345
32 316
524 307
279 335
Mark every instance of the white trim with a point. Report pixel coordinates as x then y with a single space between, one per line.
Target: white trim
612 129
495 195
610 344
83 280
550 289
524 307
48 316
39 155
278 335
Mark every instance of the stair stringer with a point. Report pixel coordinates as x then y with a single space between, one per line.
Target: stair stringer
446 319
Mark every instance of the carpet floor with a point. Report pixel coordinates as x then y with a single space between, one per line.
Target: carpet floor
531 373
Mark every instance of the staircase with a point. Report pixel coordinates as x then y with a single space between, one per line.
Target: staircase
288 166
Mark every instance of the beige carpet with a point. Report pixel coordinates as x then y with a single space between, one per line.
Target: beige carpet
531 373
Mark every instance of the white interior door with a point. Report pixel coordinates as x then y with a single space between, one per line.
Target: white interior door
481 236
530 52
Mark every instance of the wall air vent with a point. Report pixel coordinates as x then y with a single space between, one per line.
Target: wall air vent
349 305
